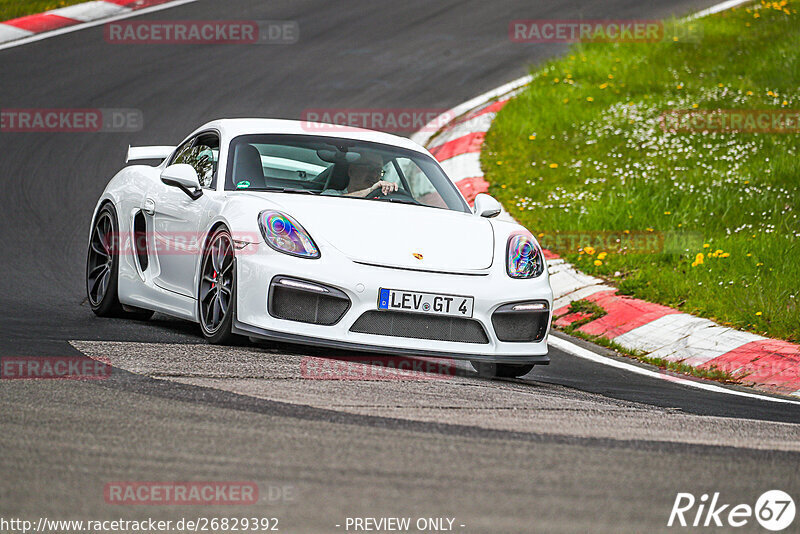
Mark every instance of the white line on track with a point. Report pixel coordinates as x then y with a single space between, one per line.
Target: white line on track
730 4
575 350
90 24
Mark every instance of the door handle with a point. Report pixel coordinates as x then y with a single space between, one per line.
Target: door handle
149 206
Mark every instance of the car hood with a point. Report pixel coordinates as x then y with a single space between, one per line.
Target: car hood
394 235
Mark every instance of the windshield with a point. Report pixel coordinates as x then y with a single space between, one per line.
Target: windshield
338 167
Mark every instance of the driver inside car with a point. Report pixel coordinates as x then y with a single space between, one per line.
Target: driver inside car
365 177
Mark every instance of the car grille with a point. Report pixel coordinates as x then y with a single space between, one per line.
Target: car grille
419 326
303 306
520 326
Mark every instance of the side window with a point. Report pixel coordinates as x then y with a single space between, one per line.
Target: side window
202 153
182 155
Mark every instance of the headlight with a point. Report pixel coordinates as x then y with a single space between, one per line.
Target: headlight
524 258
284 234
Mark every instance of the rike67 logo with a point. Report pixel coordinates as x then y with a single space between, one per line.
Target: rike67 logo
774 510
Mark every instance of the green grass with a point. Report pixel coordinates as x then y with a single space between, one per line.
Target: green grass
11 9
581 149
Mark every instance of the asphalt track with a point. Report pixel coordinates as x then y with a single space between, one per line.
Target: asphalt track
574 446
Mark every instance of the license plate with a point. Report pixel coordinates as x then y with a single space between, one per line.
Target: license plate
433 303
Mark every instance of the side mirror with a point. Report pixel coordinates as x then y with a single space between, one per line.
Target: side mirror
486 206
184 177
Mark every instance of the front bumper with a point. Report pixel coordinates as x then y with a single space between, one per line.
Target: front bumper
361 284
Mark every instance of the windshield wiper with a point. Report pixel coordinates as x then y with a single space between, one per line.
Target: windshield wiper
399 201
285 190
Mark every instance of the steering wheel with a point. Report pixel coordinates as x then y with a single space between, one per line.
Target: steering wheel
400 194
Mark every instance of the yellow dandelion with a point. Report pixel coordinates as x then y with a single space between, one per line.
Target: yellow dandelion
720 85
758 313
603 85
785 103
749 93
725 255
610 76
680 86
667 213
695 106
602 255
699 258
706 245
589 250
532 137
649 229
504 186
589 99
554 165
499 162
598 262
566 100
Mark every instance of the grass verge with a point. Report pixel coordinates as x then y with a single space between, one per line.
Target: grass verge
582 153
11 9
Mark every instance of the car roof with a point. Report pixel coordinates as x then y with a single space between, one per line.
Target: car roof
230 128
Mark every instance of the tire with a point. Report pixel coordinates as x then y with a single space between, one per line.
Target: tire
102 268
217 289
501 370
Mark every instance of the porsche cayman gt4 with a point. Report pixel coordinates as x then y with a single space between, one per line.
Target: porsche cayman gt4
335 237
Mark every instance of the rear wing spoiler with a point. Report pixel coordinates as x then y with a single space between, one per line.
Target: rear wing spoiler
148 152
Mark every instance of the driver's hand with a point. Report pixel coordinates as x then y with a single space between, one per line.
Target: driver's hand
385 187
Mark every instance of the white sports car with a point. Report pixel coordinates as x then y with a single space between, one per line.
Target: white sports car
316 234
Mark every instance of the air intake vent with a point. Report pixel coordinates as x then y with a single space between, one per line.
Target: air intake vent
306 302
140 240
419 326
521 321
